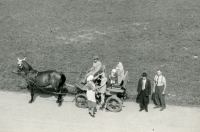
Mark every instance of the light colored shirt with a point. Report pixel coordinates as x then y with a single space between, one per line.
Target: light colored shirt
90 91
113 78
160 80
96 67
103 82
143 83
120 75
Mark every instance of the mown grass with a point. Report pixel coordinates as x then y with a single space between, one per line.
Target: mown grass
143 35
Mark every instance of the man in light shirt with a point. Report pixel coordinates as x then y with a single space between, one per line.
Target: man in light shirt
94 70
159 90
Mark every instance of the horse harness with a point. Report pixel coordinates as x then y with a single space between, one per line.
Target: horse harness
34 83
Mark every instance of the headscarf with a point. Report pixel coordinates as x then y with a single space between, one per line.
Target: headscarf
96 57
90 78
114 70
119 66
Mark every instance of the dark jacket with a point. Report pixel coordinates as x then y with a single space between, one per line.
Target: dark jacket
147 87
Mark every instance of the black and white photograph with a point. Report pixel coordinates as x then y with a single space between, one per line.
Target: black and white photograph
99 65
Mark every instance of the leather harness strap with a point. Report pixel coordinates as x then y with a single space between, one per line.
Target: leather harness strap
34 83
36 76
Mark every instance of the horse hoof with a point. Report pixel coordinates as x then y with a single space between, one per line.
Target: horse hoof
60 104
31 101
59 101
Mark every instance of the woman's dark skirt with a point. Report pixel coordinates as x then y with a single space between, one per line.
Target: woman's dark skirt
91 104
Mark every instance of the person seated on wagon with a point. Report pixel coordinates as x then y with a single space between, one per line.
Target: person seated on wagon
94 70
116 77
113 77
120 77
120 73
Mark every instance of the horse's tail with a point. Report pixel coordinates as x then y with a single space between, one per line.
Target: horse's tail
62 80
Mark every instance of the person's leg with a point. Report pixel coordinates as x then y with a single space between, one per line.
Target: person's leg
95 110
163 96
85 79
162 99
157 100
89 110
124 93
89 106
92 111
153 98
102 101
146 101
141 100
160 90
97 73
102 98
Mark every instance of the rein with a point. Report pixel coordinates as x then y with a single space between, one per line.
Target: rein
37 85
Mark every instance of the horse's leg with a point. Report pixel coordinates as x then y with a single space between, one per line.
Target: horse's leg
59 96
58 83
59 100
32 93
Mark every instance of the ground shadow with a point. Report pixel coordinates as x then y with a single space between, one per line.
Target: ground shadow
48 94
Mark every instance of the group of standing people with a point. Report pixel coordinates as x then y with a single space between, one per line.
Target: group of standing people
158 95
97 72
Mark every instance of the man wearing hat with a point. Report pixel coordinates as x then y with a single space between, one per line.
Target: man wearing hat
144 90
95 69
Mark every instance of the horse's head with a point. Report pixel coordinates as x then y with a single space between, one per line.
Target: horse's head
23 66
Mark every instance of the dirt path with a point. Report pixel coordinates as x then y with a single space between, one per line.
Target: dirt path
45 116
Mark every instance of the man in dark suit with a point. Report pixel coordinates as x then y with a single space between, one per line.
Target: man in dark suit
144 90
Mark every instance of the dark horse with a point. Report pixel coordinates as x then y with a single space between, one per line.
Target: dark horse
41 79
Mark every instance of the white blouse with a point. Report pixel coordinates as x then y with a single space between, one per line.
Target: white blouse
90 93
160 80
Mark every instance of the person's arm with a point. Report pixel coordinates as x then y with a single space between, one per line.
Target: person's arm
103 83
95 89
86 87
154 84
97 76
120 76
138 86
165 85
92 88
97 68
92 68
149 87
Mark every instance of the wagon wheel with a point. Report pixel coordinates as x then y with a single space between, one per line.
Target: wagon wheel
81 101
114 104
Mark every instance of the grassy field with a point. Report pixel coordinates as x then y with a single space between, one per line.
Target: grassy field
143 34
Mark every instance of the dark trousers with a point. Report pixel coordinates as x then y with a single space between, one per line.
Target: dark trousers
144 100
159 97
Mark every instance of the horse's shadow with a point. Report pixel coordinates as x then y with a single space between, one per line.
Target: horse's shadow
47 96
